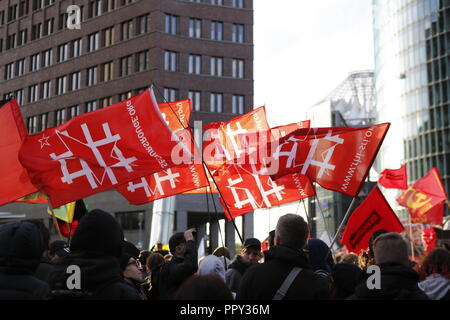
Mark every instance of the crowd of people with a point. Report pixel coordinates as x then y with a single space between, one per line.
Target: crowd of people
293 268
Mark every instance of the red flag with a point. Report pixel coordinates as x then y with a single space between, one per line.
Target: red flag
282 131
244 191
429 239
372 214
223 143
425 194
176 113
14 181
394 178
100 150
337 158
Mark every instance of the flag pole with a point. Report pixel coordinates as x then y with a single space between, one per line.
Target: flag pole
342 223
411 237
55 223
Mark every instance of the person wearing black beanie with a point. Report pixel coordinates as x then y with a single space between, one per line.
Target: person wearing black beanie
132 269
21 247
96 248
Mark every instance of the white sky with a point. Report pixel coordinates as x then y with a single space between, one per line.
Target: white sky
306 48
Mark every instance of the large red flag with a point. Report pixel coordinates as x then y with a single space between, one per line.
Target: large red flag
244 191
424 195
100 150
14 181
339 159
372 214
394 178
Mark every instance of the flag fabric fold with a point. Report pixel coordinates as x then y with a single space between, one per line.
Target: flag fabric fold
394 178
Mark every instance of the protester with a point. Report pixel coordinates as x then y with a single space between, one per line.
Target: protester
152 266
131 268
320 257
142 258
250 255
263 281
182 265
158 248
96 248
435 273
45 267
338 257
21 247
397 280
204 287
351 258
346 276
225 255
212 265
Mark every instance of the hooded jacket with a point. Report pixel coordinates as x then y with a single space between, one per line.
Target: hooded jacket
436 287
212 265
398 282
96 248
262 281
235 272
21 247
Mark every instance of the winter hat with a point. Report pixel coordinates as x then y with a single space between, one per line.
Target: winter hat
129 250
175 240
21 245
98 232
318 254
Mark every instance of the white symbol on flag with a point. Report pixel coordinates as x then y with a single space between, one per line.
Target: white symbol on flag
164 118
169 176
44 141
86 171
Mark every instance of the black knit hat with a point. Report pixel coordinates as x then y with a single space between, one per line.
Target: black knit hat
98 232
129 250
175 240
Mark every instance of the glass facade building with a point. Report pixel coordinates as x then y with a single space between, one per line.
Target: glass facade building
412 69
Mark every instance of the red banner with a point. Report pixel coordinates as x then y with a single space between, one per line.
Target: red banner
394 178
423 196
373 214
244 191
100 150
14 181
339 159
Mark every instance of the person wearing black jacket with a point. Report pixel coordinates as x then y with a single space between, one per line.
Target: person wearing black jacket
183 264
96 248
21 247
397 281
262 281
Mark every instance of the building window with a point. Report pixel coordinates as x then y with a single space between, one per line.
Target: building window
95 8
195 97
91 76
170 94
91 106
12 12
43 121
126 30
63 52
35 62
46 89
142 61
23 8
93 42
238 68
171 25
73 112
238 4
62 23
217 66
237 33
47 61
217 30
110 5
105 102
61 85
217 2
125 66
195 28
77 48
216 100
37 4
125 95
49 24
76 80
20 96
142 24
107 71
36 31
23 37
133 220
60 116
32 124
20 70
195 63
9 71
198 1
237 104
108 36
33 93
11 41
48 2
170 61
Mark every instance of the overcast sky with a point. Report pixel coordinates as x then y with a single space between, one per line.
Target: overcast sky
304 49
